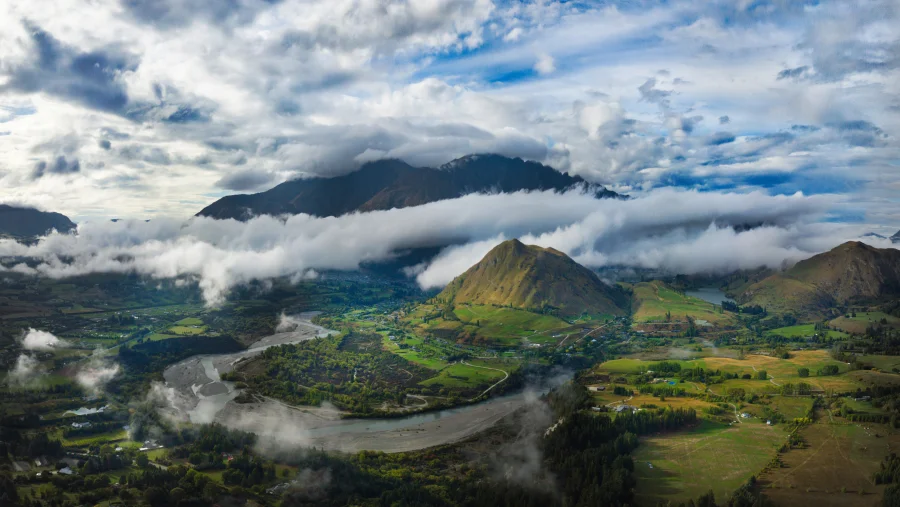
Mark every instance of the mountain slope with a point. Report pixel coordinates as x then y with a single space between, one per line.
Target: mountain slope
534 278
852 272
387 184
896 237
29 222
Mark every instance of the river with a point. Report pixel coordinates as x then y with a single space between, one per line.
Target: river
206 398
712 295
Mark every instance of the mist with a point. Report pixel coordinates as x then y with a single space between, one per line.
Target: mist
684 231
41 340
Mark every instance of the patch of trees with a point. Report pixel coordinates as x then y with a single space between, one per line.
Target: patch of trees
748 309
828 370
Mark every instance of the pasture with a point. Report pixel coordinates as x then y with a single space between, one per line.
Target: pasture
862 320
836 467
652 300
805 331
711 456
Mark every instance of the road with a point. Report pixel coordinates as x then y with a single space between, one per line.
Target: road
487 368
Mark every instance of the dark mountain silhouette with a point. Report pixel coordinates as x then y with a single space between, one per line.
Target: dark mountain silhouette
387 184
29 222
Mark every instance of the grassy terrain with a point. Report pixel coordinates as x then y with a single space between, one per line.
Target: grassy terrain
463 375
651 301
712 456
805 331
835 468
490 324
862 320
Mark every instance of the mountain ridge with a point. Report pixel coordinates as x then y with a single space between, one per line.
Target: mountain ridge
30 222
391 183
849 273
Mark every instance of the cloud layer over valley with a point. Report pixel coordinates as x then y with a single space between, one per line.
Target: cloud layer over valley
676 230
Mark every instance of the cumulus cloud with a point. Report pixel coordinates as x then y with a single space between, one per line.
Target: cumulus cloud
41 340
659 229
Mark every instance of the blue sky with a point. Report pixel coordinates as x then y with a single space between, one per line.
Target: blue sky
153 108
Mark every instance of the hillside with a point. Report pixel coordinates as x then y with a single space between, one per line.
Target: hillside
29 222
850 273
387 184
896 237
534 278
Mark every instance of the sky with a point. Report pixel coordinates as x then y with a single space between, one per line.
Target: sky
748 133
155 108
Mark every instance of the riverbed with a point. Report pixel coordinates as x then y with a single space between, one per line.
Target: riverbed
281 427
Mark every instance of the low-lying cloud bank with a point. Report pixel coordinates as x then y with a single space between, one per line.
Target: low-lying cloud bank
682 231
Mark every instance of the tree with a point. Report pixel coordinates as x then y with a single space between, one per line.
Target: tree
142 460
803 372
762 375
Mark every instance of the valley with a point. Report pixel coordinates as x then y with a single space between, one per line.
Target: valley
682 392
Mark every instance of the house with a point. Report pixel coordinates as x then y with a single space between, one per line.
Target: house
745 415
622 408
66 471
78 425
596 388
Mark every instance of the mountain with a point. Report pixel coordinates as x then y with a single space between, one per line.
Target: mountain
534 278
29 222
387 184
850 273
896 237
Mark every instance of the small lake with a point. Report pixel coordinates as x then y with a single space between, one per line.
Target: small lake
710 294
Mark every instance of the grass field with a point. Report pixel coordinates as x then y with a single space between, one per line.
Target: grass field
863 320
652 300
506 326
805 331
884 363
712 456
462 376
99 439
839 456
190 321
187 330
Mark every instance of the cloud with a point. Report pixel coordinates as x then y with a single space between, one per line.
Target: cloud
249 179
222 254
545 64
42 340
93 78
98 372
26 370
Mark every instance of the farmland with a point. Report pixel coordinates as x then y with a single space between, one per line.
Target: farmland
683 465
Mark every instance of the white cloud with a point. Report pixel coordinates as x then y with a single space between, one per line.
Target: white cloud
222 254
41 340
26 370
545 64
96 373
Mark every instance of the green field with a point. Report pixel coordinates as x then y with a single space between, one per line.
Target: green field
187 330
463 375
508 326
652 300
862 320
805 331
712 456
190 321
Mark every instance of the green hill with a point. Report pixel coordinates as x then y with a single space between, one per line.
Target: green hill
534 278
850 273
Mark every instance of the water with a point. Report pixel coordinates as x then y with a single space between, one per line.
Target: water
209 406
709 294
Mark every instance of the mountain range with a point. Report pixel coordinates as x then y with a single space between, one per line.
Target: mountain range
534 278
850 273
28 222
387 184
